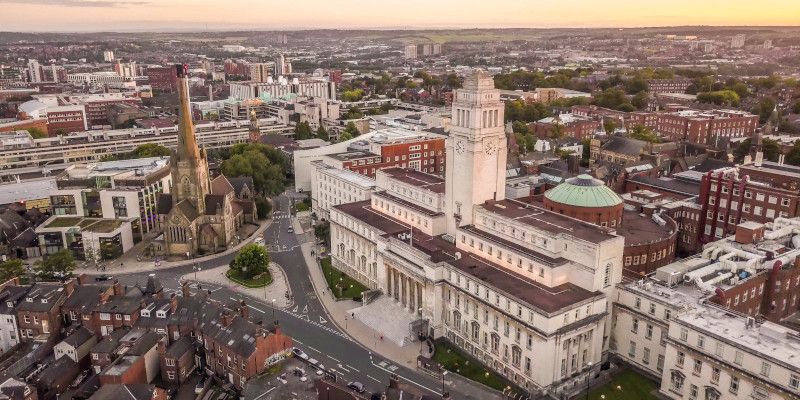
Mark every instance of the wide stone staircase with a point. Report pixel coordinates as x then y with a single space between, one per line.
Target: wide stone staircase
388 318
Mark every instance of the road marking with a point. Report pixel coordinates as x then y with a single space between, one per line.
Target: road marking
297 340
334 359
370 377
343 368
265 393
408 380
257 309
294 310
312 348
305 309
322 320
351 367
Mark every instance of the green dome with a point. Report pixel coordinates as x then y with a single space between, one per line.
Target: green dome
583 191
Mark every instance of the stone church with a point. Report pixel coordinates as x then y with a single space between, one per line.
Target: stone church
200 215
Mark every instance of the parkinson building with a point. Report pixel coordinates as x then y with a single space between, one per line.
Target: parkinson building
524 289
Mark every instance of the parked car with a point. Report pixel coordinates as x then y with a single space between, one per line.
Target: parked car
290 230
356 386
200 385
103 277
299 353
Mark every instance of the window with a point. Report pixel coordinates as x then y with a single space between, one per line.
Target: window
105 316
684 334
679 359
638 303
715 375
649 332
170 362
701 341
635 326
737 358
170 375
794 381
734 388
652 308
632 349
698 367
693 392
646 355
765 368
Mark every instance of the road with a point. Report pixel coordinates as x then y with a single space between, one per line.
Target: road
305 320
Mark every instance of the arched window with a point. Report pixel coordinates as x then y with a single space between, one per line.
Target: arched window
495 343
457 320
476 331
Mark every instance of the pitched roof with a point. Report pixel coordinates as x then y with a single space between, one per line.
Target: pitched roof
215 203
164 203
79 337
138 391
187 209
623 145
241 182
221 186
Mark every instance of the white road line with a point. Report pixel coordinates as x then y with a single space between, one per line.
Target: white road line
370 377
257 309
265 393
351 367
343 368
408 380
334 359
297 340
315 349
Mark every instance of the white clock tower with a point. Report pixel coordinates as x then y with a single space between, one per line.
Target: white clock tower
476 150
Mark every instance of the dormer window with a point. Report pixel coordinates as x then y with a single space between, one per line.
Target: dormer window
29 299
145 313
161 314
9 304
44 301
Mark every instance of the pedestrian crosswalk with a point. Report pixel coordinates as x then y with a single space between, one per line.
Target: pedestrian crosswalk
281 216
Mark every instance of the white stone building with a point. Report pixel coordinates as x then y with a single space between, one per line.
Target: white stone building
525 290
332 186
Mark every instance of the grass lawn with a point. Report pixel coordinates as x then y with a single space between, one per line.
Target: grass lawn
351 287
262 280
632 387
455 360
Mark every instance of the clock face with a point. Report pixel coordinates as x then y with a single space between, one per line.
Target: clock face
460 147
490 147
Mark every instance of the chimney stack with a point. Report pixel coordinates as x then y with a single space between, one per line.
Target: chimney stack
173 303
185 289
227 318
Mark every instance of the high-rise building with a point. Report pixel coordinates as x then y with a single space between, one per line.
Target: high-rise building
34 71
282 66
259 72
125 69
410 51
437 49
738 41
768 43
108 56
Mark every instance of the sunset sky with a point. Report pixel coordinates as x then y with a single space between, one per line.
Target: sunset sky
88 15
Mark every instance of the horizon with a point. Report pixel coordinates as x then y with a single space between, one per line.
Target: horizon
89 16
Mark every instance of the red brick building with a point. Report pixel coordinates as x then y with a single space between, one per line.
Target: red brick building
39 314
67 119
675 85
426 155
97 109
571 126
162 78
749 192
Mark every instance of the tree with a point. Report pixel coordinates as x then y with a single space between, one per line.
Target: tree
322 133
635 85
263 206
641 132
303 131
322 230
769 147
557 131
251 260
640 100
613 98
793 156
609 125
518 110
37 133
345 136
352 95
353 113
259 162
796 107
13 268
58 265
520 127
720 98
352 129
764 109
150 150
454 81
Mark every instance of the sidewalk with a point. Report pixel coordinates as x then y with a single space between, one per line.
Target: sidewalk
128 263
338 312
275 291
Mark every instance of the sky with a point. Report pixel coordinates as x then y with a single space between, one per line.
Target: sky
121 15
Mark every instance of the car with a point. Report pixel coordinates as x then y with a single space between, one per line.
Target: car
103 277
290 230
356 386
320 372
313 361
299 353
201 384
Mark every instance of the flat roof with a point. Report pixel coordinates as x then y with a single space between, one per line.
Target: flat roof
28 190
639 229
527 213
346 175
434 183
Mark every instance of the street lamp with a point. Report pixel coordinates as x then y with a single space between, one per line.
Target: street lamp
196 268
588 375
443 374
273 310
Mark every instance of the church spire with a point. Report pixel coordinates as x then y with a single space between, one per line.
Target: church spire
255 131
187 149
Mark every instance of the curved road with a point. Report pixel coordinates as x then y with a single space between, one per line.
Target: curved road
305 320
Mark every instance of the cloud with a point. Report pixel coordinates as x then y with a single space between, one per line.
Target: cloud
80 3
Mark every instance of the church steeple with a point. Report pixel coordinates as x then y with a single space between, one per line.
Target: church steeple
187 148
254 131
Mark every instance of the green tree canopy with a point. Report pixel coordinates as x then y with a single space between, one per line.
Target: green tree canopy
352 129
251 261
609 125
345 136
352 95
322 133
719 97
58 265
353 113
640 100
37 133
613 98
13 268
764 109
770 147
303 131
518 110
793 156
520 127
263 206
150 150
264 164
641 132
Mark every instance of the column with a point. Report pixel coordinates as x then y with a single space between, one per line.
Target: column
419 295
403 290
396 278
389 281
412 298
